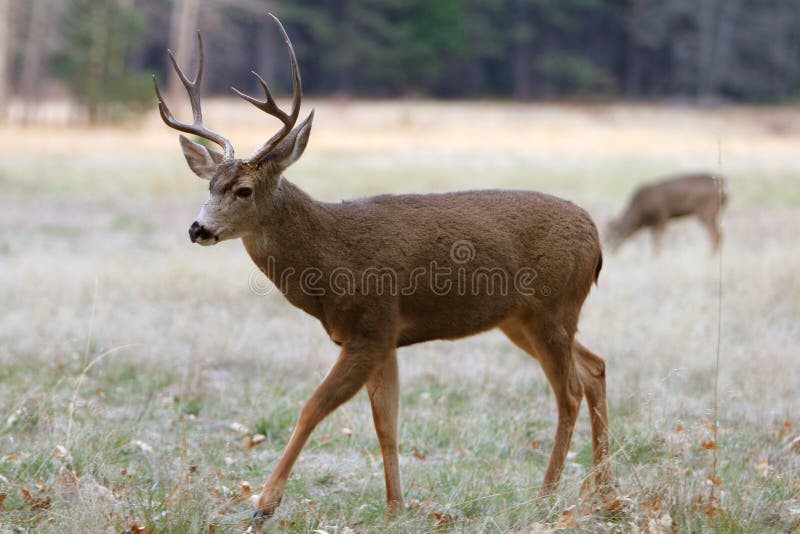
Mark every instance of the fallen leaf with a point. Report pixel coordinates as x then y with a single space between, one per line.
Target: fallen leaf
443 521
418 454
238 428
679 429
37 503
712 508
245 489
2 500
709 445
618 504
762 467
60 452
14 417
142 445
255 440
786 429
347 432
535 444
12 458
568 519
653 507
793 445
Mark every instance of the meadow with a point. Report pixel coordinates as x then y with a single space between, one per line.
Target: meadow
146 387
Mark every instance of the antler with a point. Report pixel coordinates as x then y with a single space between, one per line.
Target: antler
192 87
269 106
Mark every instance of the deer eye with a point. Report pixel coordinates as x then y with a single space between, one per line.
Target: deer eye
243 192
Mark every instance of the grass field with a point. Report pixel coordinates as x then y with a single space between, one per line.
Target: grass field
135 368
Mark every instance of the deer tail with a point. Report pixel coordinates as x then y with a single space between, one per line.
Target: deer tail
598 267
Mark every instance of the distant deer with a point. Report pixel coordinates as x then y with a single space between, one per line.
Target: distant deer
654 204
430 250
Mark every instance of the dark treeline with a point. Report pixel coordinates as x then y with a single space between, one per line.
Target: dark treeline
102 51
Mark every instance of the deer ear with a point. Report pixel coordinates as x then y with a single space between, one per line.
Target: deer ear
293 145
201 160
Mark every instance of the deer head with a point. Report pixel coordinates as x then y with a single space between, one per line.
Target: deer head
240 188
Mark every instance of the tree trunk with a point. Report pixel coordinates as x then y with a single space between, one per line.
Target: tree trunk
183 25
4 54
267 51
32 55
522 68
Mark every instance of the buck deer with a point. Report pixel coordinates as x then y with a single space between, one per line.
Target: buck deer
428 245
654 204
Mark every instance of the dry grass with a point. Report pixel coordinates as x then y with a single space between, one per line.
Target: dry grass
135 351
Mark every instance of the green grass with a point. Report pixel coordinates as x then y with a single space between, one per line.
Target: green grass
136 352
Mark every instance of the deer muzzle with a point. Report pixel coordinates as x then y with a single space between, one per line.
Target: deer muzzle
199 233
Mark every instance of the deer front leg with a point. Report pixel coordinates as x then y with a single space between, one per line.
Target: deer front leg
354 366
658 236
383 388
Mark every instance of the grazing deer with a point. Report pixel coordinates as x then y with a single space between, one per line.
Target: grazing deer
455 264
654 204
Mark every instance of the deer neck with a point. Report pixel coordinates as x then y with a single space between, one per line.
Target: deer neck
290 230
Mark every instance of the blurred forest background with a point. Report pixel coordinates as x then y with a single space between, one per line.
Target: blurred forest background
100 54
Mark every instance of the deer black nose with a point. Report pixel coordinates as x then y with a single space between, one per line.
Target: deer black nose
198 231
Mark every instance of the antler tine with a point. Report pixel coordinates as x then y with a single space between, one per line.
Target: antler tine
192 88
269 105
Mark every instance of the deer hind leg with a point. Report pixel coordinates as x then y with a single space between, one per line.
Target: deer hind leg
592 372
383 389
552 348
351 371
711 222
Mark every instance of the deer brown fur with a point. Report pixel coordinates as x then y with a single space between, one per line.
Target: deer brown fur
389 271
654 204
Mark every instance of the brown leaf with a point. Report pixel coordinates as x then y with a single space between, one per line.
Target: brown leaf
37 503
653 507
418 454
793 445
786 429
535 444
618 504
568 519
245 489
254 440
709 445
711 507
678 429
443 521
762 467
2 500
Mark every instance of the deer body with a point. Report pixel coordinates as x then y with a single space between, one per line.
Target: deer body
653 205
400 237
388 271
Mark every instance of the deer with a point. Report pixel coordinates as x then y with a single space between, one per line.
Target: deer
549 246
654 204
